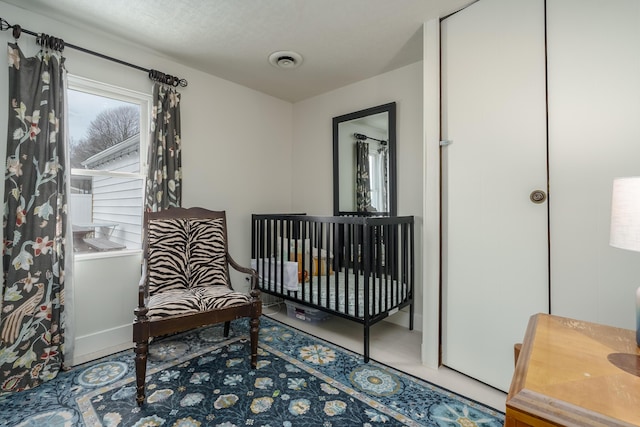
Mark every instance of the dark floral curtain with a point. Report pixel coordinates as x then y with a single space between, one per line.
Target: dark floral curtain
164 182
32 315
363 184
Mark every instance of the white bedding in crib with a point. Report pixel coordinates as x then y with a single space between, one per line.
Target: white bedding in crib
272 267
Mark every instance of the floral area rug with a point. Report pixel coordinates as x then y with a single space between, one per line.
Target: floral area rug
200 378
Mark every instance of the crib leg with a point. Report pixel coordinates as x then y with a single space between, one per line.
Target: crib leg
411 316
366 344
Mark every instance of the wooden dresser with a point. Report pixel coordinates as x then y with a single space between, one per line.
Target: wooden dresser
574 373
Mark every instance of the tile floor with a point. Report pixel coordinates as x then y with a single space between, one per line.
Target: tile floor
395 346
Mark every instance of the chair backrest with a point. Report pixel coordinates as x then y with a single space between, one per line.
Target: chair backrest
185 247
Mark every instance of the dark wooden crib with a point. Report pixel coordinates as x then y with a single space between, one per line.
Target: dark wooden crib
359 268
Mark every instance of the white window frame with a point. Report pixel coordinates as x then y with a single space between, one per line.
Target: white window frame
144 100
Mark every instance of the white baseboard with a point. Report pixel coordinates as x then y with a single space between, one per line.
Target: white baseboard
401 318
110 341
103 343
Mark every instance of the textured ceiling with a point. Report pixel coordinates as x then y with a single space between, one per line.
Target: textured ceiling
341 41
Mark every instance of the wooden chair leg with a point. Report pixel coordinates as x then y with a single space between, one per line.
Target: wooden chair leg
227 326
253 336
141 350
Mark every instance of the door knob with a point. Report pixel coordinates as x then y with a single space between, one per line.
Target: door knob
538 196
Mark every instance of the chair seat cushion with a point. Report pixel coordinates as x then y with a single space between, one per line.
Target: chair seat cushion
193 300
212 297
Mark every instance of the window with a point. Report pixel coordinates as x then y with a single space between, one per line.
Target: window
377 179
108 128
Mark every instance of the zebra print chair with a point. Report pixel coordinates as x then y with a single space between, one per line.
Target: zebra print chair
185 282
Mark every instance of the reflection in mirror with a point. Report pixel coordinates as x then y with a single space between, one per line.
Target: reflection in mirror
364 167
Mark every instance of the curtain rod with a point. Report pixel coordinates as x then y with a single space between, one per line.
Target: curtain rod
59 44
362 137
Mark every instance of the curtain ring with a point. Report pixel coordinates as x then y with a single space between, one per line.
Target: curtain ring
49 42
167 79
155 75
17 30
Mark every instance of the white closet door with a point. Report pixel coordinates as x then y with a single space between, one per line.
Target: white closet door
594 131
495 239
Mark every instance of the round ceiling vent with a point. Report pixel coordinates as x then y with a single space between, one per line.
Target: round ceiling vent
285 59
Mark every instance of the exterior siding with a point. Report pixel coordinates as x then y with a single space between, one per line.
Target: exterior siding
114 200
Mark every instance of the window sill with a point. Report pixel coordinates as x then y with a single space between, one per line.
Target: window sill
88 256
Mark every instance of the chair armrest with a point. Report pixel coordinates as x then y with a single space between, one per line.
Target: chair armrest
252 272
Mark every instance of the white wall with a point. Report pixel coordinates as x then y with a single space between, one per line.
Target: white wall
237 152
104 307
312 189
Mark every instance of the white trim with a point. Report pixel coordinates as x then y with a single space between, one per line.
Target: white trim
431 208
88 256
103 343
402 318
105 89
115 174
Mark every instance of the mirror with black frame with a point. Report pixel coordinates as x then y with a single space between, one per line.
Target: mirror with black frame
364 162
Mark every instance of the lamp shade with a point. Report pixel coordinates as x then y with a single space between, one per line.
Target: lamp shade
625 214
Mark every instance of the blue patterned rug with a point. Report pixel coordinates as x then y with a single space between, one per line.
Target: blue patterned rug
199 378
